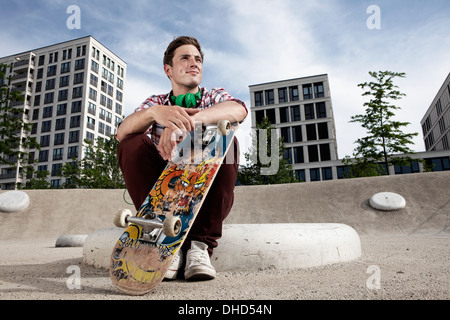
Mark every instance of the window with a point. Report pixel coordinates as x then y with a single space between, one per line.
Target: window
298 155
92 94
45 141
77 92
50 84
287 155
286 134
259 98
75 121
270 97
51 71
79 64
325 152
72 152
56 170
74 136
313 153
413 167
314 174
91 108
311 132
327 174
48 111
65 67
300 175
46 126
58 154
59 139
63 95
282 95
309 111
64 81
76 106
318 90
284 114
295 113
307 91
91 123
270 114
323 130
297 134
439 164
321 111
78 78
43 156
60 124
119 96
293 93
61 109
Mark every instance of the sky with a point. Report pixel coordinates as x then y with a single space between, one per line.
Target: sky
250 42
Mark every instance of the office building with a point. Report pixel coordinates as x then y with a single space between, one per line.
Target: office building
72 91
302 111
436 121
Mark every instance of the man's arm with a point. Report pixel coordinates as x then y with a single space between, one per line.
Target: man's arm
176 118
227 110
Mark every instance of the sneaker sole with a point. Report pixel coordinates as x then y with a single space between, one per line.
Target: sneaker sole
199 274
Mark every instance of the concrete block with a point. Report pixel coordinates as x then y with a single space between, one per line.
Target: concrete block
76 240
12 201
257 246
387 201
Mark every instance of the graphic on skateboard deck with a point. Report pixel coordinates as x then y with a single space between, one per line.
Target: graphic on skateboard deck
152 238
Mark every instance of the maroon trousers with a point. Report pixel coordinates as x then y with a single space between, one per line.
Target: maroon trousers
141 165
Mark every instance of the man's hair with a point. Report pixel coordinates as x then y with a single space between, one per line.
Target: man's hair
178 42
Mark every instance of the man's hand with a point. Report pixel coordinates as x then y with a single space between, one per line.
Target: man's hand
175 118
168 142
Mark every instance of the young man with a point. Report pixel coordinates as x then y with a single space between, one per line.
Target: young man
148 139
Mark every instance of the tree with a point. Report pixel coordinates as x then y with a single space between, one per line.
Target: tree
386 143
13 144
258 172
99 168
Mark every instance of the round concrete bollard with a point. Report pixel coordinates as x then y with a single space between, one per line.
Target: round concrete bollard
76 240
99 245
12 201
285 246
387 201
256 246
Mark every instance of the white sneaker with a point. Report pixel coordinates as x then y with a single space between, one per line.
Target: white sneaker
172 272
198 264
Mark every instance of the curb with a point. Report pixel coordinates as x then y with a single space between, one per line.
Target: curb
257 246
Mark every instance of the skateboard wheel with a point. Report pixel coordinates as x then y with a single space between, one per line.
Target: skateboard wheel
120 218
171 226
223 126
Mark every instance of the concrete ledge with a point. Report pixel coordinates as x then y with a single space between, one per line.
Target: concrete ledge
257 246
75 240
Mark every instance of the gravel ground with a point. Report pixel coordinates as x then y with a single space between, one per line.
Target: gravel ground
392 267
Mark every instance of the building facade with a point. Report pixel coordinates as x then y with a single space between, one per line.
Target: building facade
72 91
301 109
436 121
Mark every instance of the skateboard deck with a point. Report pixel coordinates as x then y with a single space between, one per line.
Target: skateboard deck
153 237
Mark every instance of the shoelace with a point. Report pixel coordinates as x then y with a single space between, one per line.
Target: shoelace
198 256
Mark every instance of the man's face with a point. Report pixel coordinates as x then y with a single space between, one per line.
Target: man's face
187 69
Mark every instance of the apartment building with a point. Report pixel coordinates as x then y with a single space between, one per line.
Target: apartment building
72 91
436 121
301 109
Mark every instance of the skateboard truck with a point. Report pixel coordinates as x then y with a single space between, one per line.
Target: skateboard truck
206 133
151 226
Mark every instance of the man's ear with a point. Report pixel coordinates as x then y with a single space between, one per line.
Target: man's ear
168 71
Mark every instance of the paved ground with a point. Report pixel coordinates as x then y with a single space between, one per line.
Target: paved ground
408 257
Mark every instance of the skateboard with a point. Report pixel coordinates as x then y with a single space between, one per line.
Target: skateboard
152 238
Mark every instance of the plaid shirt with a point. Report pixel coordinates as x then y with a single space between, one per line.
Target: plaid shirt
209 98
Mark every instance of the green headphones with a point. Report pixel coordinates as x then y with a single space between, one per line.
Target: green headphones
188 100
